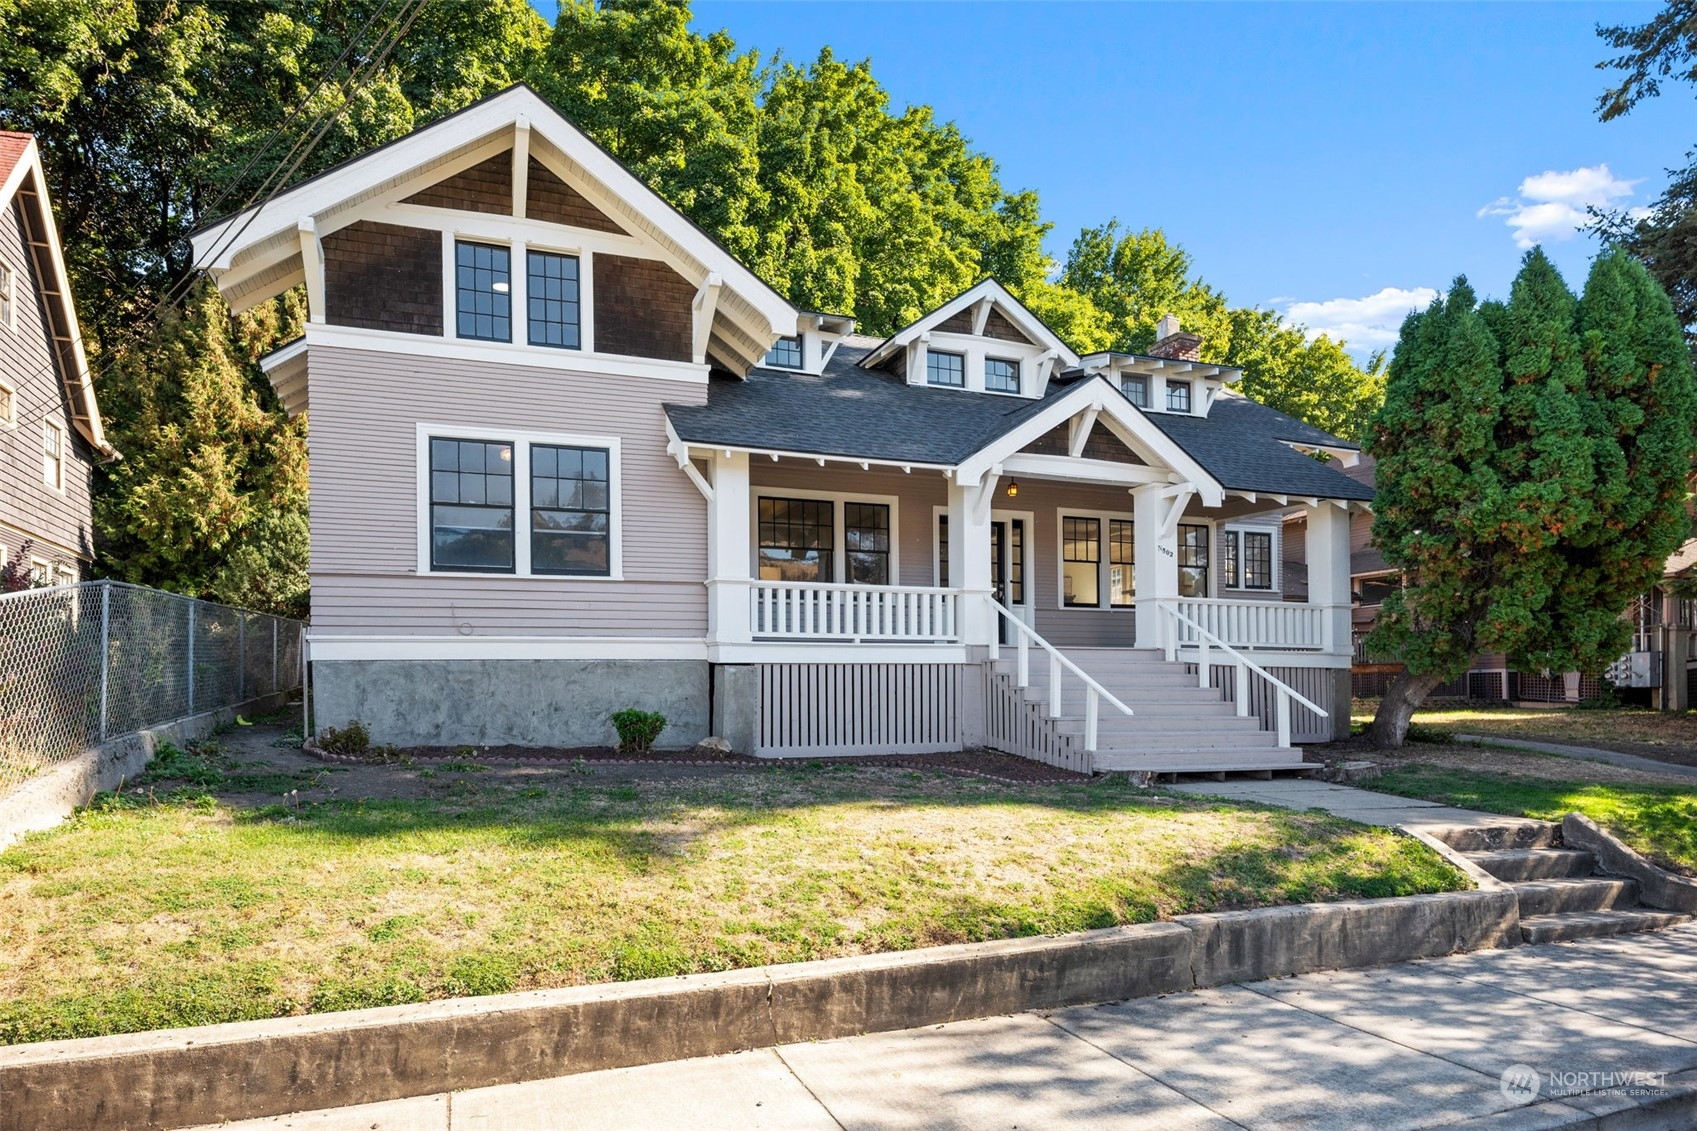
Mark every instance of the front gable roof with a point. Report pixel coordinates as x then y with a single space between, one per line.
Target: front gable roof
23 180
256 254
969 312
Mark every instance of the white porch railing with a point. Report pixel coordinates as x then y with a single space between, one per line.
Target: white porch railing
1250 624
803 610
1179 623
1024 637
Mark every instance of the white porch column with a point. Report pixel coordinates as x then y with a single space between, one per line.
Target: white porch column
1156 552
729 537
969 557
1328 572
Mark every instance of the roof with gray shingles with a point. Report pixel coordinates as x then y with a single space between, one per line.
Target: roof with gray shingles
856 413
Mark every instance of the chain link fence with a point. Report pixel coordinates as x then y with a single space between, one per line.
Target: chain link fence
80 664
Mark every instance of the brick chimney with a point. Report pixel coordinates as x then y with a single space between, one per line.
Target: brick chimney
1174 344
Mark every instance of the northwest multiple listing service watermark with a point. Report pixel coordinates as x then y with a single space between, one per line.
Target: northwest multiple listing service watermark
1521 1083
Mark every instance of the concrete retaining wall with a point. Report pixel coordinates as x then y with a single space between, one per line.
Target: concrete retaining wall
49 798
1657 887
190 1076
561 703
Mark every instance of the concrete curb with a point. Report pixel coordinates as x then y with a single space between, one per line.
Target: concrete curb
1482 879
45 801
186 1077
1657 887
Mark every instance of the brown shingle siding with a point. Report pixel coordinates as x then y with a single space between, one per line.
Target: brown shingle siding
549 198
997 326
485 187
643 308
384 277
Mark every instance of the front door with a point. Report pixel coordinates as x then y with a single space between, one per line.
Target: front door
1007 567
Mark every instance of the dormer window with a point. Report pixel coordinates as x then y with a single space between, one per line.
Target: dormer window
946 369
1178 396
1001 375
552 290
785 353
1136 389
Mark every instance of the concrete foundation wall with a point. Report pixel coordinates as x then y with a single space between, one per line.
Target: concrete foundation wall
500 702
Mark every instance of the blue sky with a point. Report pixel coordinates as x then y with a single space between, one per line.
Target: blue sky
1312 157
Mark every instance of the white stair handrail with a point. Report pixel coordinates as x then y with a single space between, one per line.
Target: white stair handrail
1244 666
1094 692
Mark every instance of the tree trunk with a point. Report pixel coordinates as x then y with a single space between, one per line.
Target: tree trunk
1405 694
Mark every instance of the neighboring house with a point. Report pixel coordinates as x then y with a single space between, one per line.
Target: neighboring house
1660 670
50 435
569 456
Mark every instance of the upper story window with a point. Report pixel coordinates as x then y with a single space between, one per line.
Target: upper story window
471 505
8 297
1178 396
551 293
570 511
483 285
53 455
1136 389
947 369
8 405
1001 375
786 353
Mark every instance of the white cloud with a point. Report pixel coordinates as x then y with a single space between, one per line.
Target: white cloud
1369 323
1552 205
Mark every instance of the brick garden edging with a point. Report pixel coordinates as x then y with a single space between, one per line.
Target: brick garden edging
183 1077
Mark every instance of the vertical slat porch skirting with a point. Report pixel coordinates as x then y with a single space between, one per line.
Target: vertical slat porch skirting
1305 725
827 710
1014 725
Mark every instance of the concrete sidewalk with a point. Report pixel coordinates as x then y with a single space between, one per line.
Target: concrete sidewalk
1586 753
1424 1044
1361 805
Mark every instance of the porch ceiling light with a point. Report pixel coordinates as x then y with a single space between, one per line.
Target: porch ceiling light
1013 488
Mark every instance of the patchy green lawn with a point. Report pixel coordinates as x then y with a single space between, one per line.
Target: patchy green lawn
190 904
1658 820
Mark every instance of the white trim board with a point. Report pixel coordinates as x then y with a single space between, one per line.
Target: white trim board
332 646
503 353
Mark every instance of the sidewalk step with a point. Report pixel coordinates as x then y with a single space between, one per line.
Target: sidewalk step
1514 865
1587 893
1509 834
1594 924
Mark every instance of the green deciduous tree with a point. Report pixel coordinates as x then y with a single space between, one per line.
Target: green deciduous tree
1532 459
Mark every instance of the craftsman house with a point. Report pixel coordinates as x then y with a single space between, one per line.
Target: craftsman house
570 456
50 435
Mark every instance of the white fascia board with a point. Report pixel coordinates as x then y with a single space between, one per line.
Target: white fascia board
988 289
1349 457
705 449
501 112
1121 417
280 357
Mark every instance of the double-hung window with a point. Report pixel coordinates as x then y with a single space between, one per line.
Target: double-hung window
1136 389
8 297
553 302
1122 557
480 487
483 283
570 510
1178 396
1001 375
797 540
866 532
53 455
1081 562
785 353
8 405
471 505
1192 561
1246 559
946 369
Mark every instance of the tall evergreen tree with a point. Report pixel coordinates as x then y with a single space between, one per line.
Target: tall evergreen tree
1532 460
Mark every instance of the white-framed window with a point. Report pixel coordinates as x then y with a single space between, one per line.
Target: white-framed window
519 503
53 455
1246 558
8 405
1193 561
1136 388
1098 560
40 572
945 369
825 536
785 353
1001 375
1178 396
8 296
